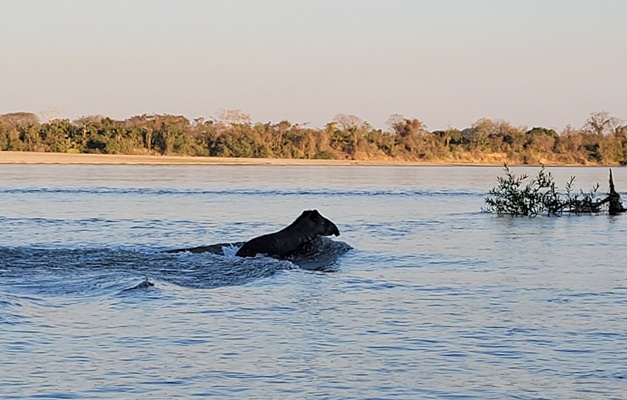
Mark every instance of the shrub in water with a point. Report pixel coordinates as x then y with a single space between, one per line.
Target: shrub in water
519 196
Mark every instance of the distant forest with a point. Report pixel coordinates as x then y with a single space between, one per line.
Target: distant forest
601 141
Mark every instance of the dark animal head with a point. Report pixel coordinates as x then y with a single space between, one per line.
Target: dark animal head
319 224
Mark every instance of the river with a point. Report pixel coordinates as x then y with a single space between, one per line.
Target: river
430 298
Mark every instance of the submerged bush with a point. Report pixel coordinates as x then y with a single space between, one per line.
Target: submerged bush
519 196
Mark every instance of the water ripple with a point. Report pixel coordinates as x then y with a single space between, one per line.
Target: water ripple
240 192
436 300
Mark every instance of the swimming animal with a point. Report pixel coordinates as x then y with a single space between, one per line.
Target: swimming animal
307 227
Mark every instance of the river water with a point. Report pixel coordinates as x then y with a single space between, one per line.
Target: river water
434 299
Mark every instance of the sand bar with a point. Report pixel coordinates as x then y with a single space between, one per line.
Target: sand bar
24 157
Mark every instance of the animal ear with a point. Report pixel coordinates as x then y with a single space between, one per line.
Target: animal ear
315 214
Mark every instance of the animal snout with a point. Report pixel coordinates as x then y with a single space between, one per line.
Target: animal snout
334 230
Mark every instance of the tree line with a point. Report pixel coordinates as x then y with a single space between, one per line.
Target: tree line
601 141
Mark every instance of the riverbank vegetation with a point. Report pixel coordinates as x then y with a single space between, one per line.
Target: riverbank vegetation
601 141
520 195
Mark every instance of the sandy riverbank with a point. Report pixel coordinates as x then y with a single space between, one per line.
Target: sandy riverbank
19 157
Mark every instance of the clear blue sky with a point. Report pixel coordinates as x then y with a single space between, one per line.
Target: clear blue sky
446 62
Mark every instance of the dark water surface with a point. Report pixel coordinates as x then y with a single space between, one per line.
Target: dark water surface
435 300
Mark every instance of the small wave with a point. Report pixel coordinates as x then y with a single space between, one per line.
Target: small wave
105 272
321 255
245 192
227 249
145 284
109 271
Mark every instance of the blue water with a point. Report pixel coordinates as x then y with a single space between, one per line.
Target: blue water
434 300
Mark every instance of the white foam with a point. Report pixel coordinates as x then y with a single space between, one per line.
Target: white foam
229 251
